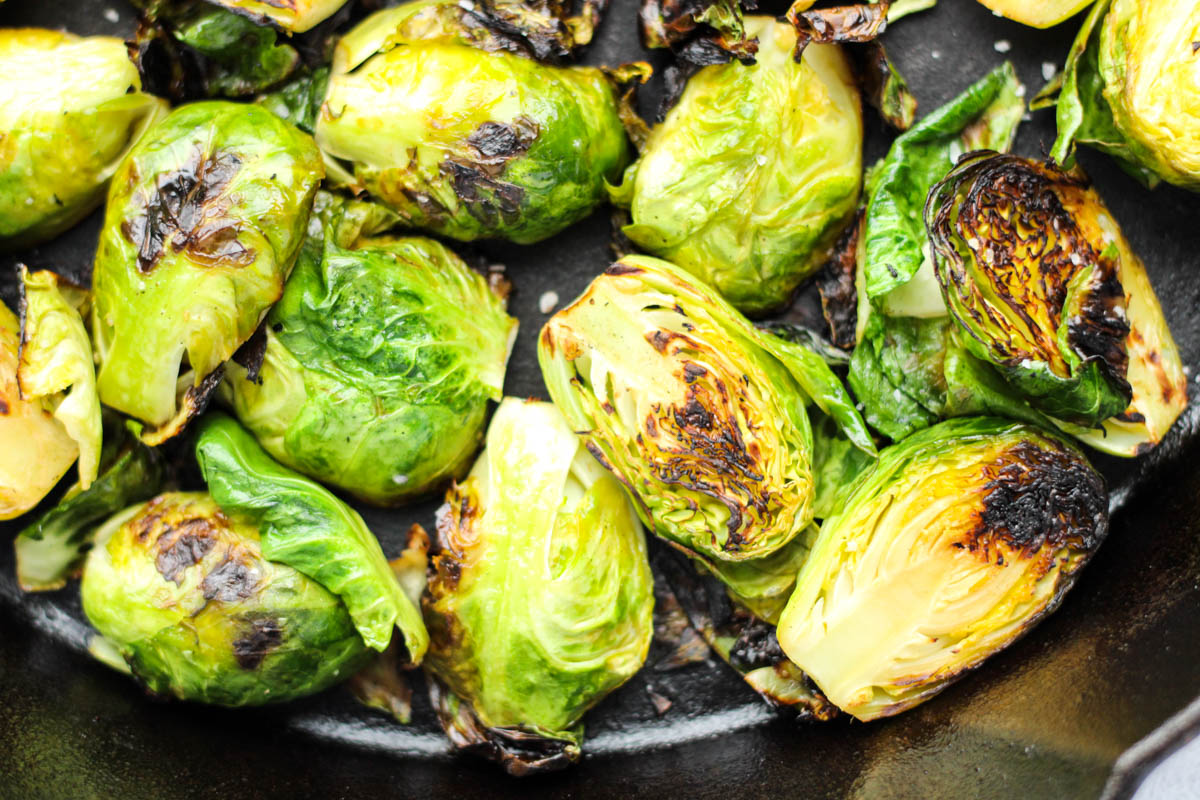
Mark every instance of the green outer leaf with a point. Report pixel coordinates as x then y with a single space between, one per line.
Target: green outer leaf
50 547
837 462
305 527
207 298
56 357
984 116
247 57
380 363
299 101
542 599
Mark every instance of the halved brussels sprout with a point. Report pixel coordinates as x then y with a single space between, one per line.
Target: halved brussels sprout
26 426
205 219
1073 338
433 108
380 360
1036 13
540 601
701 415
1131 88
182 589
750 177
53 545
954 544
56 365
70 108
1025 270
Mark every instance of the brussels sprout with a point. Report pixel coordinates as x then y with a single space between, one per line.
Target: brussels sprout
380 360
56 365
541 598
205 219
70 108
699 414
955 543
1129 89
307 528
26 426
1024 270
465 142
751 176
183 590
1036 13
52 546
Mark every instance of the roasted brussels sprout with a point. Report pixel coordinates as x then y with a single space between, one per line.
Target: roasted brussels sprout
750 177
70 108
1130 88
699 414
26 426
205 219
955 543
542 529
181 587
1024 269
265 589
939 308
380 360
1036 13
435 109
304 526
53 545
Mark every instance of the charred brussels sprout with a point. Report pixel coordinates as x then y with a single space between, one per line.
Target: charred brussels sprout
264 589
1131 88
954 544
1037 296
304 526
380 360
699 414
183 590
465 142
70 108
1036 13
540 527
1021 299
750 177
205 219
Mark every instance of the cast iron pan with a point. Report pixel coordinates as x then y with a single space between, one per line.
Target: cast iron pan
1049 717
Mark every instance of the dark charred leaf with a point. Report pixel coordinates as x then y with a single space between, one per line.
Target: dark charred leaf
835 282
843 24
520 752
884 87
699 32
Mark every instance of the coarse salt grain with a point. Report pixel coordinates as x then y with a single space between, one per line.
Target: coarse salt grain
1002 46
111 15
547 302
1049 70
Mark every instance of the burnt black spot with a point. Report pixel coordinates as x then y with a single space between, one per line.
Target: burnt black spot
230 581
659 340
693 372
251 355
487 199
256 643
1038 496
620 268
607 408
4 407
756 647
694 415
835 282
1195 47
1099 331
1130 415
497 143
182 546
186 211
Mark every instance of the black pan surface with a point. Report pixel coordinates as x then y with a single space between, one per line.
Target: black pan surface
1050 717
